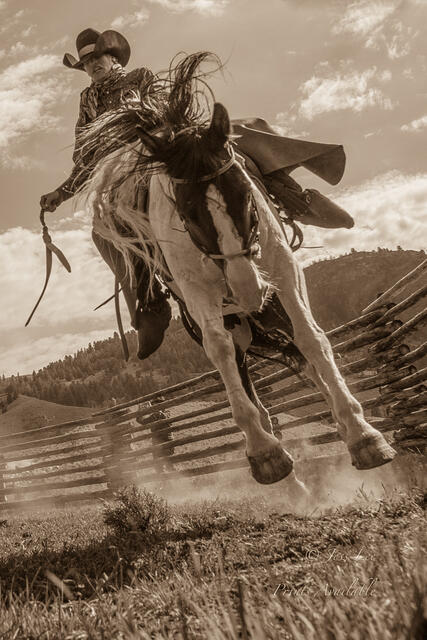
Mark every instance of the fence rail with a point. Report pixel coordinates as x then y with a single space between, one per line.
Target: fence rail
161 436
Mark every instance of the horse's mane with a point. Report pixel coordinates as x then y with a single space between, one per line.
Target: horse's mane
177 99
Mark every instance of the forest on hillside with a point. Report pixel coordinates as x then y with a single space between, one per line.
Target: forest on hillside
98 375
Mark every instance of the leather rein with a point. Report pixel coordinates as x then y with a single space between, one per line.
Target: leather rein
50 250
53 249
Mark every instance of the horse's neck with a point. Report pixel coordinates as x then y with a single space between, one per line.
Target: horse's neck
162 208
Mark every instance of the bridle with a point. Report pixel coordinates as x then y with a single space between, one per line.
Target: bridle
252 246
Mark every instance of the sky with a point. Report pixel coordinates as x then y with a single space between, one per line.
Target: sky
334 71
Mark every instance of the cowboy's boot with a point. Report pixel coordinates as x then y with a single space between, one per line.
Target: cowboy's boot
152 315
307 207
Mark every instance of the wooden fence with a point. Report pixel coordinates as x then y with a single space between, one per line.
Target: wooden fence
187 429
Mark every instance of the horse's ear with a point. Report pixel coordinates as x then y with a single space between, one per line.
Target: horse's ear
151 143
220 127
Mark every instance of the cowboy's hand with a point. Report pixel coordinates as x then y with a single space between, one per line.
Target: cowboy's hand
50 201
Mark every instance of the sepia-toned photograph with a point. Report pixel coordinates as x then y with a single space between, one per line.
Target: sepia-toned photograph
213 342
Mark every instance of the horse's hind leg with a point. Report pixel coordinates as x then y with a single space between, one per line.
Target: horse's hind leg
269 462
367 446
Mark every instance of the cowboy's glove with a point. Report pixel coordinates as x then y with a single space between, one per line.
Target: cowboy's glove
50 201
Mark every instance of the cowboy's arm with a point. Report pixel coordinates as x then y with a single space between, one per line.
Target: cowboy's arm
52 200
78 176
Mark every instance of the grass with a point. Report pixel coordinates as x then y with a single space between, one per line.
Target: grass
220 570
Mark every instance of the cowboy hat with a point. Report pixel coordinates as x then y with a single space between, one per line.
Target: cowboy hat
91 42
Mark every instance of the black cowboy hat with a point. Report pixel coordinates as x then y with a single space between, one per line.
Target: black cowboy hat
93 43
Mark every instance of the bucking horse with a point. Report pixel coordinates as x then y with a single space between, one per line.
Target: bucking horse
210 233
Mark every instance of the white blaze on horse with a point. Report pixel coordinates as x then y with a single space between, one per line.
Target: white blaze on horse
212 231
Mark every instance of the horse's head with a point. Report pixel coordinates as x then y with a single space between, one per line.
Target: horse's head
215 200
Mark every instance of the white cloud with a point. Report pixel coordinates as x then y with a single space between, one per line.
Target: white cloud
398 41
388 211
353 90
27 70
61 42
284 125
29 91
372 133
19 48
364 17
12 20
375 22
210 7
415 125
131 20
26 32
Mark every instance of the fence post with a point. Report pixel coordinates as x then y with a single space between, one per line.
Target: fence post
2 481
161 462
161 457
115 444
121 443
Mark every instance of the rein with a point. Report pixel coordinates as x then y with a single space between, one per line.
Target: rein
53 249
50 250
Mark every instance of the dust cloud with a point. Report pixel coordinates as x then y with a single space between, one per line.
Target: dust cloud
315 485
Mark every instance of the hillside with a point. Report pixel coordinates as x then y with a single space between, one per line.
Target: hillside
96 376
340 288
28 413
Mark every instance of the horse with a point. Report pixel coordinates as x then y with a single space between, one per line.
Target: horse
215 238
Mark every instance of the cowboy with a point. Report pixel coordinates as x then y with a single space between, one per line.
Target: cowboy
103 57
269 158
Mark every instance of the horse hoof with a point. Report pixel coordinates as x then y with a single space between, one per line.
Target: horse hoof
271 466
372 451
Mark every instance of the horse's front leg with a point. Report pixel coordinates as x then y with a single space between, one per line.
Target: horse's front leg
296 487
269 462
367 446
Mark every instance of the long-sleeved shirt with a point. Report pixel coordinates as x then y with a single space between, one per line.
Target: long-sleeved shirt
118 89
